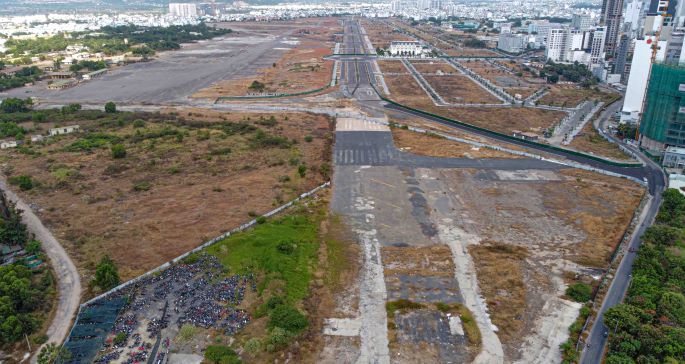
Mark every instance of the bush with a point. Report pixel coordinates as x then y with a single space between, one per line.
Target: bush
278 338
287 318
138 123
579 292
274 302
24 182
253 346
221 354
106 274
302 170
118 151
261 219
142 186
110 108
308 138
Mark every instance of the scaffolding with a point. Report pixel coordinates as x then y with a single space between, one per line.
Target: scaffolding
664 116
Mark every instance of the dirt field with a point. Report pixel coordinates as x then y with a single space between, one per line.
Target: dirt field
405 90
526 232
589 141
431 67
301 68
393 67
470 52
460 89
571 96
381 33
511 83
436 146
184 179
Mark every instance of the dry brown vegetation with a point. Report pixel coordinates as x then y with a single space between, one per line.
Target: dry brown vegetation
511 83
500 270
460 89
436 146
381 33
434 66
599 205
405 90
388 67
571 96
185 178
589 141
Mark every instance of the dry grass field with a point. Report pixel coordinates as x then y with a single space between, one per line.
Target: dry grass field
589 141
460 89
381 33
511 83
186 176
437 146
431 67
392 67
571 96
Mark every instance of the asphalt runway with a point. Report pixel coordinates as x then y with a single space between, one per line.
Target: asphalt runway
175 75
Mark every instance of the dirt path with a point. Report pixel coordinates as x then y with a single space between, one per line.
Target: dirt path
457 240
68 280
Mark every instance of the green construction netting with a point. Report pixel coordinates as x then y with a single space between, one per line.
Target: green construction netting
662 120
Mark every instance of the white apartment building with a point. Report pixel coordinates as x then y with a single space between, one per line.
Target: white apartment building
639 75
183 10
557 44
512 43
406 48
597 45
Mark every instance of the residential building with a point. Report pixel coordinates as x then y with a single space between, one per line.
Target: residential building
406 48
183 10
582 22
611 18
512 43
663 123
6 144
634 16
64 130
557 44
598 45
674 157
638 77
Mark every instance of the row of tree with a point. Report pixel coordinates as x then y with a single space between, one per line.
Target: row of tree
20 78
649 327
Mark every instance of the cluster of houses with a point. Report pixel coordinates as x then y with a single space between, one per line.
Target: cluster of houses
36 138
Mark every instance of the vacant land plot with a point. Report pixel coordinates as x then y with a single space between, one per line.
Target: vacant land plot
571 96
470 52
381 33
431 67
460 90
511 83
589 141
437 146
405 90
527 230
393 67
171 183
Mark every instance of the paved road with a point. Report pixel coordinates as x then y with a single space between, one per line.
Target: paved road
619 286
68 280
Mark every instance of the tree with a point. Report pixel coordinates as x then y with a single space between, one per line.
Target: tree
672 306
257 86
118 151
287 318
579 292
221 354
12 105
50 354
106 274
110 107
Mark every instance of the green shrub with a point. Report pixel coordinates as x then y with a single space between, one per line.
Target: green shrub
253 346
274 302
579 292
278 339
110 108
138 123
308 138
302 170
118 151
142 186
261 219
24 182
119 338
221 355
288 318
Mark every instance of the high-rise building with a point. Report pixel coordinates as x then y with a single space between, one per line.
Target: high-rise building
183 10
611 18
633 16
512 43
557 44
621 59
582 22
639 75
663 122
598 45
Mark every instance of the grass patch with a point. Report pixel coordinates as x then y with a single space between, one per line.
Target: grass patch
402 305
261 250
468 322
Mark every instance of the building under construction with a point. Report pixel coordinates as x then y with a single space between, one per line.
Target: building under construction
663 121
